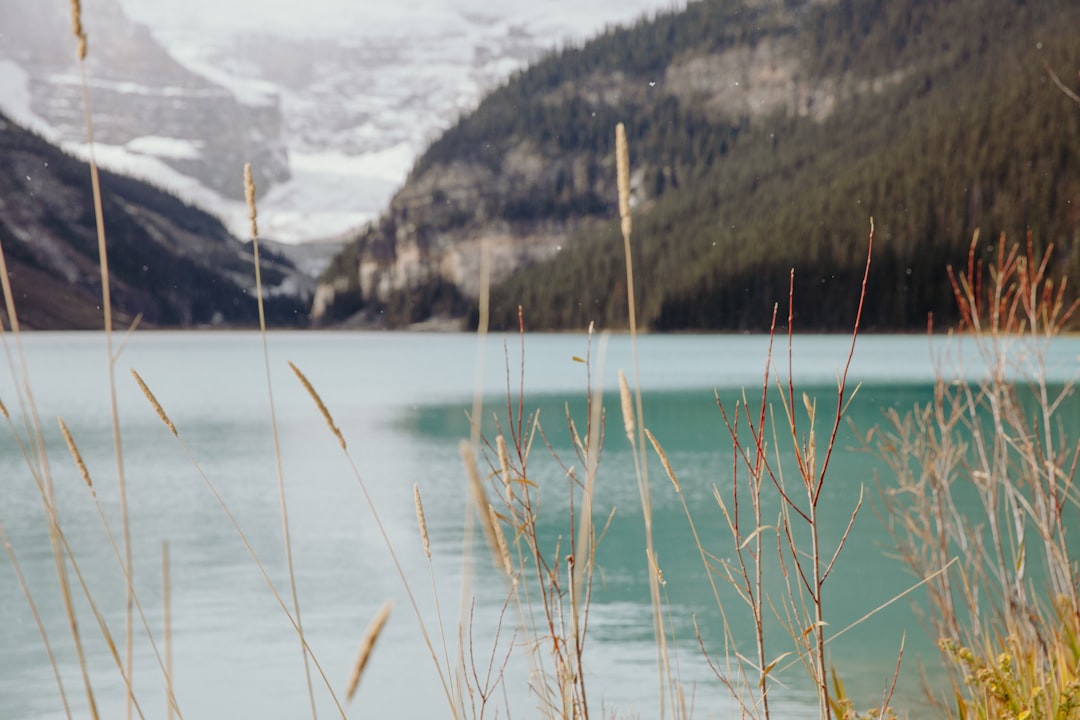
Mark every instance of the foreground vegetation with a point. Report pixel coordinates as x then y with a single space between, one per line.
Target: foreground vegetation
1010 636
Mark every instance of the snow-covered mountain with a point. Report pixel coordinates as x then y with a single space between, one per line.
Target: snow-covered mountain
331 100
152 116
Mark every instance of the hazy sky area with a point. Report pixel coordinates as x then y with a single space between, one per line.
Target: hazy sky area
372 17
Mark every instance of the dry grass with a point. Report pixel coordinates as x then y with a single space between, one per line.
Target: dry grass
75 454
1007 615
371 635
799 555
253 214
107 316
171 708
323 410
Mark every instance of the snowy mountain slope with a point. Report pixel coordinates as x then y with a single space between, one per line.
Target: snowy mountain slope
330 103
363 86
173 264
152 116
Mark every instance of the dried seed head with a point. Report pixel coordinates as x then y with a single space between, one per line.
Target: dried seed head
4 411
500 541
480 498
75 454
663 460
319 404
421 520
155 404
504 468
77 28
366 646
627 406
622 171
249 195
810 445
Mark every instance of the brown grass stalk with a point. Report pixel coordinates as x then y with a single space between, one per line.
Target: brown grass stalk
746 575
469 451
589 455
106 634
551 588
25 587
421 521
641 467
167 629
249 194
107 314
64 554
1001 434
804 570
41 472
166 672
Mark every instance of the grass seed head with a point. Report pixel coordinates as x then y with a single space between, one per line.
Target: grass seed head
366 646
500 542
249 196
504 467
319 404
622 170
77 28
75 454
421 520
627 406
154 402
663 460
480 498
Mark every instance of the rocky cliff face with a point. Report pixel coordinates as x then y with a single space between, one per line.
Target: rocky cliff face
195 126
437 225
172 264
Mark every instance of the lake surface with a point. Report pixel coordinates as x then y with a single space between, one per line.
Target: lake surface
401 401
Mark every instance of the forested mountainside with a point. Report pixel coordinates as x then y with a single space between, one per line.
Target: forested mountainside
172 263
763 136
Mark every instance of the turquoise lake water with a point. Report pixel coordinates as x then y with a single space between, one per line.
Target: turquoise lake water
401 401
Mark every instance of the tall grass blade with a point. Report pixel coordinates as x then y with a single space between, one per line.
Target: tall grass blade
249 194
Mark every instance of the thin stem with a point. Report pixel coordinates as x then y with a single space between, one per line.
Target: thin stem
37 617
239 531
249 187
166 620
43 478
